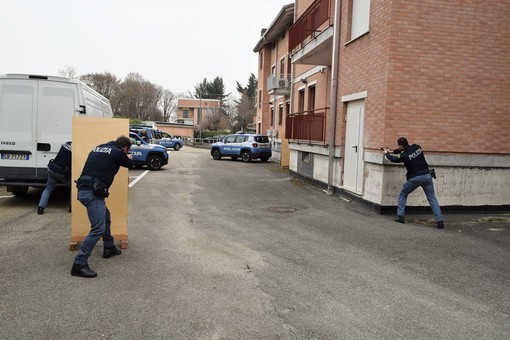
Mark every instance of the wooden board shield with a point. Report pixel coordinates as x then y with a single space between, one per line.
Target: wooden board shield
88 132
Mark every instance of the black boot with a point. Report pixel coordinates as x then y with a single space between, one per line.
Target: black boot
112 251
40 210
400 219
82 270
440 225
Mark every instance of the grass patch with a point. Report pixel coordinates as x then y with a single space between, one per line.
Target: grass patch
424 221
495 220
297 182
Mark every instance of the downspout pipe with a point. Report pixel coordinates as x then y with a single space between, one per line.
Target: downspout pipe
333 96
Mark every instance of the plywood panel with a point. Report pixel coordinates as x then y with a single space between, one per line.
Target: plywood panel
89 132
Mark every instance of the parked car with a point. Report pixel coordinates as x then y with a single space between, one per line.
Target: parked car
245 146
166 140
146 132
152 155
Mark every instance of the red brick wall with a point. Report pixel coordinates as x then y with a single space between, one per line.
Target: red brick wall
363 66
435 71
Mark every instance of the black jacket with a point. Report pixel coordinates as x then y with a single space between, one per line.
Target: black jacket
413 158
104 162
62 162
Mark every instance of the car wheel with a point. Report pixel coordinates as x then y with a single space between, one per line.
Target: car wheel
154 162
19 191
246 156
216 154
264 159
234 158
177 147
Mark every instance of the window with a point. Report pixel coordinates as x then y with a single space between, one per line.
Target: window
241 139
185 113
280 114
359 18
261 139
230 139
311 97
282 68
289 65
260 98
301 100
272 116
273 70
261 59
288 107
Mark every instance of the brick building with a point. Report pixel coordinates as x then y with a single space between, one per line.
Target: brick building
433 71
195 111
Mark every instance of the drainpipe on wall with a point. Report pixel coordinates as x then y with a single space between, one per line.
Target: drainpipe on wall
273 139
333 95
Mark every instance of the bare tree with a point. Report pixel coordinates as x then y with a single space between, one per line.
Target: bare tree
245 111
168 103
69 72
104 83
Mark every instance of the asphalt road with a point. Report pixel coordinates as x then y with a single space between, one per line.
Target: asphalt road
227 250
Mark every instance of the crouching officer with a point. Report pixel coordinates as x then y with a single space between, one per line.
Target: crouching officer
59 171
418 175
97 175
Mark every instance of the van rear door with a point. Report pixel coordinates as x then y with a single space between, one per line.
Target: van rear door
18 104
57 104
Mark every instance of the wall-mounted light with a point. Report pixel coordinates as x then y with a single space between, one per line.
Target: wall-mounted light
303 80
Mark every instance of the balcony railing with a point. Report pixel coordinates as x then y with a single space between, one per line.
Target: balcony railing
281 83
309 22
308 125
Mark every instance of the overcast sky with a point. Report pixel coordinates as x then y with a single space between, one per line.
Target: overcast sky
172 43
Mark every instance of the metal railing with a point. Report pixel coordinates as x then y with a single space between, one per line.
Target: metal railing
308 23
278 82
308 125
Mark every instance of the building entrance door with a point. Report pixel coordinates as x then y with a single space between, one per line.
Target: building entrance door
353 160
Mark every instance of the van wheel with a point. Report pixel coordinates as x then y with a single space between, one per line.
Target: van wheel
19 191
216 154
154 162
246 156
177 147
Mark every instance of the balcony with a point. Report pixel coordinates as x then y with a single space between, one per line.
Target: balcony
307 126
311 36
278 85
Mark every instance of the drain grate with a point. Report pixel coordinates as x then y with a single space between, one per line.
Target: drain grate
280 209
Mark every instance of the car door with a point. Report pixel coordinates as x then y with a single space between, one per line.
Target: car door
229 146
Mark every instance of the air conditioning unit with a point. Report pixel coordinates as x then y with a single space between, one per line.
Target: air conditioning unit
283 83
272 133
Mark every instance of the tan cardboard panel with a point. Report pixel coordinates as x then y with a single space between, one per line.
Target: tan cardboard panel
88 132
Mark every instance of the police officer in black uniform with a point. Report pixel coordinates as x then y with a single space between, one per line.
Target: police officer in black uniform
59 171
97 175
418 174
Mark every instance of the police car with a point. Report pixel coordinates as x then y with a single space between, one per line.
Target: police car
245 146
154 156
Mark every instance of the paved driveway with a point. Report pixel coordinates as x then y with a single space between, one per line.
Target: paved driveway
227 250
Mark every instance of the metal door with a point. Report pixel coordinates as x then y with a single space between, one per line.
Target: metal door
353 161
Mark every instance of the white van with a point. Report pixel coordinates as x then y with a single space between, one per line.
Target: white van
35 120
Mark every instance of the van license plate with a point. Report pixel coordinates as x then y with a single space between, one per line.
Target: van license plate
15 156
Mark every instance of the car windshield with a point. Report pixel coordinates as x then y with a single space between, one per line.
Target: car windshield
261 139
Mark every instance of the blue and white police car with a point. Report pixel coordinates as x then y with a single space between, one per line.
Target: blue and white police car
242 145
152 155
